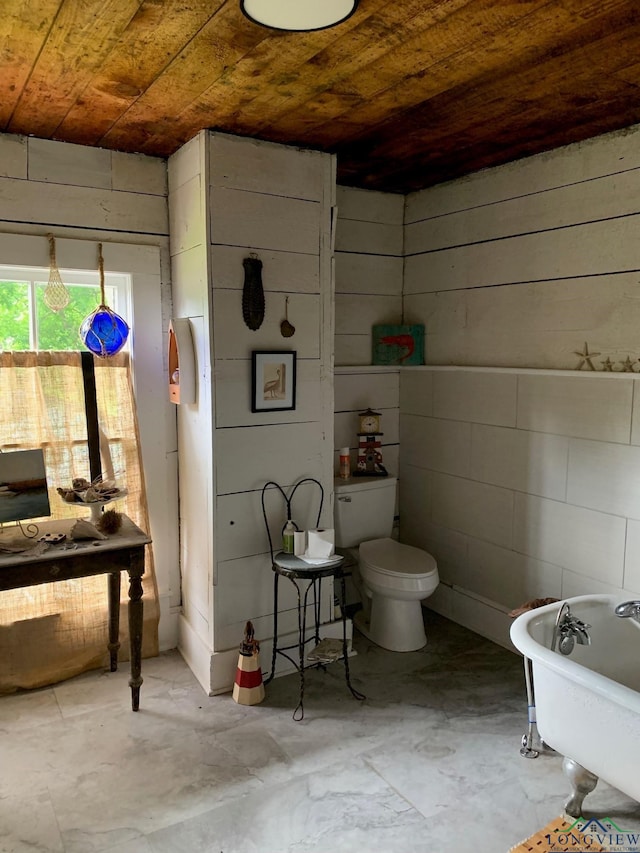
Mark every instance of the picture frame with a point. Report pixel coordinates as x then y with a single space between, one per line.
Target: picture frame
23 486
273 380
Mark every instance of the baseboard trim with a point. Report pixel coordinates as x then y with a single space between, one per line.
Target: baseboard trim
481 615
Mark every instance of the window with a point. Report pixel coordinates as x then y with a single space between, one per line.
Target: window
27 323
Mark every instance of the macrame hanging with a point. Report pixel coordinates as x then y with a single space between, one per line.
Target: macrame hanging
103 332
56 296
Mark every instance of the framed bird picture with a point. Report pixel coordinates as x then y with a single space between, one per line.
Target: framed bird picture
273 381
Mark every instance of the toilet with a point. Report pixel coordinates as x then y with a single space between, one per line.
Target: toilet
395 577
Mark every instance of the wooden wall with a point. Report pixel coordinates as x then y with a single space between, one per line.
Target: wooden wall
87 195
369 266
518 266
230 197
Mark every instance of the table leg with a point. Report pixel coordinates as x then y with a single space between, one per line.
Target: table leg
343 590
135 638
114 618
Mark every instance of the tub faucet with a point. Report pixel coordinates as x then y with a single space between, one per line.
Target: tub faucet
629 608
569 630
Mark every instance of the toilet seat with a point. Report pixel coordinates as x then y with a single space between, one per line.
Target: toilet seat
389 557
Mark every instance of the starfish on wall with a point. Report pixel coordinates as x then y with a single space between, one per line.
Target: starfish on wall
585 357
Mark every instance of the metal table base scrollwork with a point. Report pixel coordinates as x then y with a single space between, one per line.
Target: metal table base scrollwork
296 570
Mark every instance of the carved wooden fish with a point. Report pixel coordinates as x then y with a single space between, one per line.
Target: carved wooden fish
252 293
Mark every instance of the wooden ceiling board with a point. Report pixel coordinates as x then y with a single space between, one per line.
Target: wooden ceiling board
81 37
154 37
24 28
408 93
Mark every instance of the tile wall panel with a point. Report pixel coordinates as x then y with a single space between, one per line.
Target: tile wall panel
590 543
605 477
476 396
437 444
579 406
480 510
530 462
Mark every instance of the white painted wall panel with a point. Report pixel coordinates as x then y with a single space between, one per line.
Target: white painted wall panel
63 163
240 218
290 272
601 198
370 205
369 237
262 167
353 349
597 407
603 155
478 509
13 156
530 462
476 396
594 248
632 557
416 392
232 386
365 274
359 391
604 476
587 542
357 315
139 173
437 444
234 339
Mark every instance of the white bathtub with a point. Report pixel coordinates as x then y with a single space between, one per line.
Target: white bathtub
588 703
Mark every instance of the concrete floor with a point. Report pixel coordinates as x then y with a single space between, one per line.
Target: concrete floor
429 763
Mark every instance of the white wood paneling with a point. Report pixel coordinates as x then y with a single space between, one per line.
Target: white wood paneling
13 156
370 205
191 298
233 338
232 385
82 207
603 155
291 272
366 274
588 249
594 406
138 173
186 163
601 198
359 391
590 543
263 167
355 315
62 163
369 237
187 222
488 398
240 218
248 457
353 349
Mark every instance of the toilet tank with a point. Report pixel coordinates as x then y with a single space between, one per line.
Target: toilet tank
364 508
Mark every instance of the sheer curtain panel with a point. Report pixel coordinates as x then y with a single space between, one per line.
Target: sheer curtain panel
53 631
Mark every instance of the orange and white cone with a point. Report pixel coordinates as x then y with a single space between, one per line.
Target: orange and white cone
248 688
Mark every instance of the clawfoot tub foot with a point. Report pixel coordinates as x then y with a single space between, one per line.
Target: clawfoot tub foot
582 782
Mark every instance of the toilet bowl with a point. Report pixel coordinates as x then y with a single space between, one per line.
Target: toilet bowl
392 578
397 577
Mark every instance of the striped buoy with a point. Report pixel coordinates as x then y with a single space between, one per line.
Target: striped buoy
248 688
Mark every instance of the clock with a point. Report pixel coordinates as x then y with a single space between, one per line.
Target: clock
369 423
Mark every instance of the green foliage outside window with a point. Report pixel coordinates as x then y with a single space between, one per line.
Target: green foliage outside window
54 331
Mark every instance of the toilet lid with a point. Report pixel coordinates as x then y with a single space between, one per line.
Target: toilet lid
394 558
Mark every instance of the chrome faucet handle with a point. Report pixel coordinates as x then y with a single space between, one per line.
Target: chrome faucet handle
628 609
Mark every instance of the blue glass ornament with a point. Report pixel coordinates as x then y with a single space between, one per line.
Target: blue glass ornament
103 332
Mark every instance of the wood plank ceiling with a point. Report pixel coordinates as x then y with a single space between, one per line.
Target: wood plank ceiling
407 93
